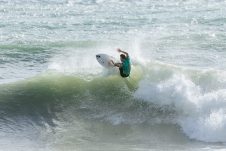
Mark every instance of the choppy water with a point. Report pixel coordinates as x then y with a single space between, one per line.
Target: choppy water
55 96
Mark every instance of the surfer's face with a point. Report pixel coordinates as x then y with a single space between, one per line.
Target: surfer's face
121 59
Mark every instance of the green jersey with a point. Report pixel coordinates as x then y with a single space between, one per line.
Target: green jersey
126 67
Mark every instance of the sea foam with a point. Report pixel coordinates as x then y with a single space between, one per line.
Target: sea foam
200 114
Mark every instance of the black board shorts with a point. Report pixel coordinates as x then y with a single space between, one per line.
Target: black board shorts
122 74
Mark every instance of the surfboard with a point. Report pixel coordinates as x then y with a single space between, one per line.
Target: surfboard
105 60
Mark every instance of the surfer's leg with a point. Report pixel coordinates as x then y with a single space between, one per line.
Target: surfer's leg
121 73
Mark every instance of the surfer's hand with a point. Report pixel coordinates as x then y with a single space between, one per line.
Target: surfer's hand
112 62
119 50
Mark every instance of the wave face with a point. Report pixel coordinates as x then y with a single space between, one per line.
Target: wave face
158 93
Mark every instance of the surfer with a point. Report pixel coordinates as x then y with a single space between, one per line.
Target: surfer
124 66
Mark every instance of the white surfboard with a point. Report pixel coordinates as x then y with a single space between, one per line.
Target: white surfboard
105 60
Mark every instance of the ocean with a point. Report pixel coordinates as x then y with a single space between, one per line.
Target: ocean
55 96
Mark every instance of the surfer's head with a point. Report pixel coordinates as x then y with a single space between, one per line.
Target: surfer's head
122 57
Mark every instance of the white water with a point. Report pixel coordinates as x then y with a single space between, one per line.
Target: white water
198 98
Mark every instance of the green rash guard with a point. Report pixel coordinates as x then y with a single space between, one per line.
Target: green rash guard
126 67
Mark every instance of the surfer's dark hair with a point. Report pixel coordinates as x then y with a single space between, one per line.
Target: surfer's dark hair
123 56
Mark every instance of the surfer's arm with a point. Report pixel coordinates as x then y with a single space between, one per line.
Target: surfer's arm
126 53
116 64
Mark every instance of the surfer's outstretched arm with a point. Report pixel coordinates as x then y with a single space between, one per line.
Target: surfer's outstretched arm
116 64
126 53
